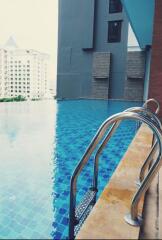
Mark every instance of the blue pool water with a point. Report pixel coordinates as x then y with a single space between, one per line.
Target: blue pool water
41 143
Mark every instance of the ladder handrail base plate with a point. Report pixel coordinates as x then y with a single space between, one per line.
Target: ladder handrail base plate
133 222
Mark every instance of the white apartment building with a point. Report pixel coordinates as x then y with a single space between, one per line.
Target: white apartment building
3 73
23 72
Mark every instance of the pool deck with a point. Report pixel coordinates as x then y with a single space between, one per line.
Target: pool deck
160 204
106 221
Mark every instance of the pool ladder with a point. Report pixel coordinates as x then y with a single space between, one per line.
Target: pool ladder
78 214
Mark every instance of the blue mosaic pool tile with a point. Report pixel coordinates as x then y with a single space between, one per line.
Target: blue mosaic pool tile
62 210
34 205
56 235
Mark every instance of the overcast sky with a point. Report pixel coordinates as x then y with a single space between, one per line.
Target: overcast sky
33 23
132 41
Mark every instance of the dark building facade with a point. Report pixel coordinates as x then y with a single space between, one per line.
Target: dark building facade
92 49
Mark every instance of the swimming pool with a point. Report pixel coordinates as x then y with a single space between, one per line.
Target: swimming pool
39 151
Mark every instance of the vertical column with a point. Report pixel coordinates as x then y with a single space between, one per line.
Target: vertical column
155 86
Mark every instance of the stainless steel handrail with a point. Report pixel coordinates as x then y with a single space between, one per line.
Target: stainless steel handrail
155 101
147 163
99 151
148 113
149 159
99 135
145 105
133 218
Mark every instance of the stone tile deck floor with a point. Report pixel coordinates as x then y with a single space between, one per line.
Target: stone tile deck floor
106 220
152 215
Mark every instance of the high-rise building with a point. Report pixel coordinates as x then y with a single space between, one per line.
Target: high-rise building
23 72
92 49
3 73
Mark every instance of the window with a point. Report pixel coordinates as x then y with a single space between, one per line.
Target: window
115 6
114 31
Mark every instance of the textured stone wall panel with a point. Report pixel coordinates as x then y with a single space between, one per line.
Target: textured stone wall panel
101 64
136 64
100 88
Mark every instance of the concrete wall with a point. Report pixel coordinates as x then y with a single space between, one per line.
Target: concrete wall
76 21
118 50
83 30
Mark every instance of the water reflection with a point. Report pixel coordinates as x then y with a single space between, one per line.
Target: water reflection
27 135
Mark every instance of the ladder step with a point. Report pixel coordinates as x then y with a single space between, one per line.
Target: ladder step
85 203
85 215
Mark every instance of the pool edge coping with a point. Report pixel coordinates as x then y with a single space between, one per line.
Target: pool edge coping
106 221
